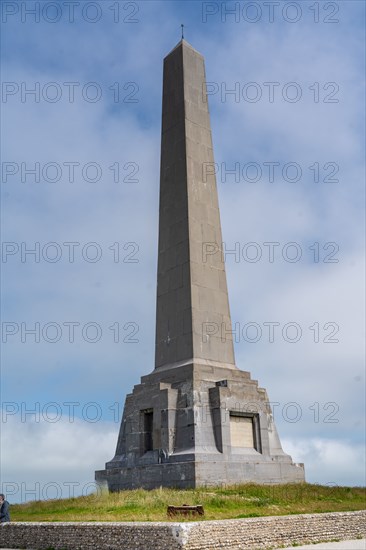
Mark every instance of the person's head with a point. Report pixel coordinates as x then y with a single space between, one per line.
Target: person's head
2 497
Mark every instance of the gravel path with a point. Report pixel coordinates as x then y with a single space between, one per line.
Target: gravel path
359 544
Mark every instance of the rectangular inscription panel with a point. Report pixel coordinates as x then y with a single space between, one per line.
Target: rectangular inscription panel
241 431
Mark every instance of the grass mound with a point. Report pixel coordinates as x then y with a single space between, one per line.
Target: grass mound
239 501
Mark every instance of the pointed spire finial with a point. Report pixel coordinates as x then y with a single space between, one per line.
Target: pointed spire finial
182 31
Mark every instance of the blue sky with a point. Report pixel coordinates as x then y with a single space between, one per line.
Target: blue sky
320 384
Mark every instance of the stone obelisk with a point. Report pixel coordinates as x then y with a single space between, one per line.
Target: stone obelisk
196 419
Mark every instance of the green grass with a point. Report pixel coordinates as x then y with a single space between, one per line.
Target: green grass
240 501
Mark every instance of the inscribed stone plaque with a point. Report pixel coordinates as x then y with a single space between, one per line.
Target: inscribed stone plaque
241 431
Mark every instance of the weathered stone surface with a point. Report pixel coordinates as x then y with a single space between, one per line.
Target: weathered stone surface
189 218
191 433
250 534
175 429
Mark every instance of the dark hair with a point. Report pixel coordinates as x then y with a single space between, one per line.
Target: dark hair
2 496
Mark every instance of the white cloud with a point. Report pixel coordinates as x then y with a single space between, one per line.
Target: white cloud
41 458
328 461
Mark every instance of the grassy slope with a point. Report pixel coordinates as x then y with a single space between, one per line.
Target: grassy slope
231 502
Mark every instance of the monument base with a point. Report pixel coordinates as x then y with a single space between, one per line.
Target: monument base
197 424
192 474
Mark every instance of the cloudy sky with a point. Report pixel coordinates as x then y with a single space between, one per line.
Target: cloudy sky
81 105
